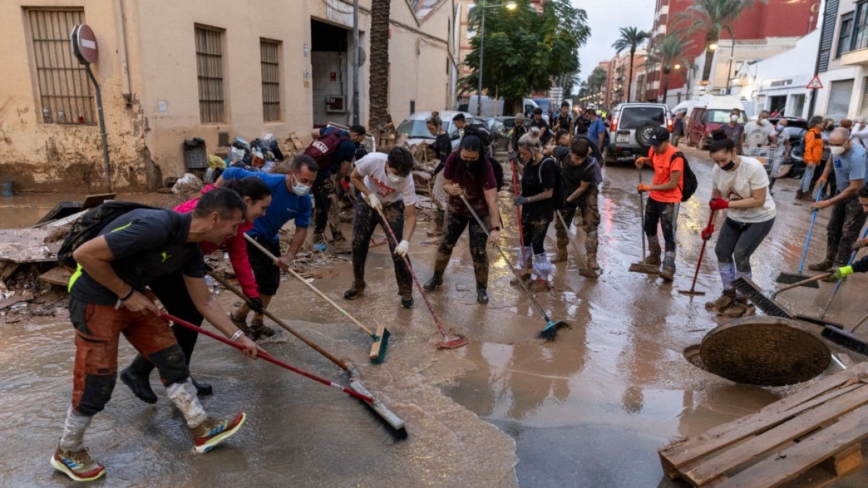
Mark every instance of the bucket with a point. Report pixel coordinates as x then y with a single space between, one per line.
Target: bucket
6 188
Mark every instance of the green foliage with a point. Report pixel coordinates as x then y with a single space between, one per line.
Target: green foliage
668 50
631 38
713 17
525 50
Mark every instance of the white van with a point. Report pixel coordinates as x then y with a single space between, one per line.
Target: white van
490 106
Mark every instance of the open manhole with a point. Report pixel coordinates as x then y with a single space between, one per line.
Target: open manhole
766 351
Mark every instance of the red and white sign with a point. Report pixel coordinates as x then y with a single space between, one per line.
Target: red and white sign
84 44
815 84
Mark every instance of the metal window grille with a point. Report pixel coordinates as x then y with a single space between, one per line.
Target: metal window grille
269 54
209 68
65 93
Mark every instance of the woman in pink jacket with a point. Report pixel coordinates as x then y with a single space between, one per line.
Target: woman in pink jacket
172 292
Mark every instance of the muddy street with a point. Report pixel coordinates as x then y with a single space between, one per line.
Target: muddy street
589 409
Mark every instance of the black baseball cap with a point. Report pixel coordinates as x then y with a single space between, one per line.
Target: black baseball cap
658 136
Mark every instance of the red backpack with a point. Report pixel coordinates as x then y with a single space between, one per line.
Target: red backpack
321 150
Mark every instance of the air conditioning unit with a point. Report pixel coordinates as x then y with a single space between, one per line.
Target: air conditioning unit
336 105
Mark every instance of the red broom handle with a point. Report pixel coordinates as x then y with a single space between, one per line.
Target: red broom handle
264 355
702 251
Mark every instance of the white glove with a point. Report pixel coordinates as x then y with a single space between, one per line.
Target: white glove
374 202
402 248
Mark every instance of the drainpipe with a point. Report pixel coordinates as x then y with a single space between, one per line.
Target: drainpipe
355 60
120 27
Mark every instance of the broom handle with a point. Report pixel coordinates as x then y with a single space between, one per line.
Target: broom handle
413 274
838 284
805 282
642 212
567 230
701 253
810 231
268 357
281 323
518 213
299 278
859 324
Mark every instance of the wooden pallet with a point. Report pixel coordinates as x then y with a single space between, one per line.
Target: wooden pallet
808 439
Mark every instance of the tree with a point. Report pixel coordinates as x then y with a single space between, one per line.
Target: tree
378 94
669 50
631 38
713 17
525 50
597 80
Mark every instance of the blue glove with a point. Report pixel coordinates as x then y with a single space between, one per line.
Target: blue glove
519 201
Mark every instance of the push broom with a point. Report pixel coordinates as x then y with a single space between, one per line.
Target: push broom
356 391
381 338
788 278
847 338
641 267
376 406
447 342
550 331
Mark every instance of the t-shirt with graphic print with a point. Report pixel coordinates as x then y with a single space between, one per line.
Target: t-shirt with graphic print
739 184
145 243
373 168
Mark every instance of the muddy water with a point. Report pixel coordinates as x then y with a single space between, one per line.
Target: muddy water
589 409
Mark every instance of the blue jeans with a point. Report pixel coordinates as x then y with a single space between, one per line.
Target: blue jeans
807 177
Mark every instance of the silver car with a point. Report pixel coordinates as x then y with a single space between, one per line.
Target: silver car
632 125
416 128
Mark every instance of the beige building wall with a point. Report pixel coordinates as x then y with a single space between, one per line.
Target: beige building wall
146 130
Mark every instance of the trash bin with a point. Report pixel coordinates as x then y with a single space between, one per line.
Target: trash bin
195 156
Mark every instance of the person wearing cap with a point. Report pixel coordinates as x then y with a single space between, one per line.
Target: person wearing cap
664 199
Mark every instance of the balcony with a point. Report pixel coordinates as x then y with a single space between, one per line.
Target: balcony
858 57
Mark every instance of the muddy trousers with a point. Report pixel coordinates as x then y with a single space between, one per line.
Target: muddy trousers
735 245
842 231
454 227
327 210
666 214
535 227
587 206
365 220
173 294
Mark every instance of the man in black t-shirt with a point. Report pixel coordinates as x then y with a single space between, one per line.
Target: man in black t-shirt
107 298
538 121
581 176
563 121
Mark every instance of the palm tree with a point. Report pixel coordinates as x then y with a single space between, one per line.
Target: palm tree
713 17
378 93
631 38
668 50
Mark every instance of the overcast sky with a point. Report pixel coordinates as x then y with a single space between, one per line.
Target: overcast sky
606 17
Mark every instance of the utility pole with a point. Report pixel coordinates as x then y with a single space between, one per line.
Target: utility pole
356 58
481 51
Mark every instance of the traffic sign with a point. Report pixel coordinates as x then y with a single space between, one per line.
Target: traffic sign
815 84
84 44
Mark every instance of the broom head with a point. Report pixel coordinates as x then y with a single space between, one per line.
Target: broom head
793 278
378 348
453 343
846 339
755 294
644 268
550 332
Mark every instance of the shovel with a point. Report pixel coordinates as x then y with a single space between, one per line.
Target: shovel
641 267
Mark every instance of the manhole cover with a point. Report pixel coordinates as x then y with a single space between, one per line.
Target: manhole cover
691 353
768 351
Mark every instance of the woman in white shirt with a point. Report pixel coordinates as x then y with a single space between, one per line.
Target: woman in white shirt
741 185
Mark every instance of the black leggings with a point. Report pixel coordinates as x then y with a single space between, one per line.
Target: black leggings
534 229
735 245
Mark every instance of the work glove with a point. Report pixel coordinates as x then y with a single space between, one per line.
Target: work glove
707 232
402 248
345 185
718 204
519 201
374 202
841 273
641 162
255 304
643 187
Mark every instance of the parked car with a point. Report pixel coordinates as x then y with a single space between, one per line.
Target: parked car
631 127
709 114
417 131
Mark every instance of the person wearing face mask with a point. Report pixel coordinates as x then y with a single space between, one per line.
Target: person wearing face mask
781 148
848 160
442 149
760 133
469 173
664 199
387 188
582 176
733 129
813 156
537 188
739 184
290 200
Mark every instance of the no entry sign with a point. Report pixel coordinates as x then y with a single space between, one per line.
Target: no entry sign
84 44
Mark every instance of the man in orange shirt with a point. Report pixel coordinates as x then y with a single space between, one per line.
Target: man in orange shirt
813 156
664 199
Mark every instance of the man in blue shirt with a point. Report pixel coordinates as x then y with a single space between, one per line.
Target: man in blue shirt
290 199
596 128
842 232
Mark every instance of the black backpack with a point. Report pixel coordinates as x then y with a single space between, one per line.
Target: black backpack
690 183
558 196
498 172
89 226
481 131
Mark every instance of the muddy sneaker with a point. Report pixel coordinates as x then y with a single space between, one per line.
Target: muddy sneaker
407 302
653 260
667 273
433 283
539 285
77 465
722 302
738 308
214 431
341 246
239 322
823 266
139 385
260 331
434 233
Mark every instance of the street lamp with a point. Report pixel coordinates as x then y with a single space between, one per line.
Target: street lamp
509 6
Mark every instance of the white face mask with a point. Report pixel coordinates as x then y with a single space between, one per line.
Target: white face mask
733 118
779 127
300 189
394 178
837 150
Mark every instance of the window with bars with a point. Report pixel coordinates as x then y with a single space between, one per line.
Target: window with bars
209 68
270 59
65 93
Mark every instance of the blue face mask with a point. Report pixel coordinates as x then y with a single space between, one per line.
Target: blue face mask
299 189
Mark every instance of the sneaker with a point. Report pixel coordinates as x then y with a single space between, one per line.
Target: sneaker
214 431
77 465
139 385
738 308
722 302
407 302
667 273
823 266
433 283
239 322
259 331
353 293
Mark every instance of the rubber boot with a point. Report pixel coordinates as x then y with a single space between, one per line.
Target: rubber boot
668 271
561 256
202 389
136 377
722 302
481 294
654 252
592 262
440 263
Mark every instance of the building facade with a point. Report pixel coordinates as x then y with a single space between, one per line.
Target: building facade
214 69
843 60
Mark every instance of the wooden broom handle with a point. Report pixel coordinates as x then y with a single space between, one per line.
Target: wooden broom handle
805 282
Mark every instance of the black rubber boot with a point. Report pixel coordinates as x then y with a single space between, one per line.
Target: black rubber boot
481 295
202 389
433 283
136 377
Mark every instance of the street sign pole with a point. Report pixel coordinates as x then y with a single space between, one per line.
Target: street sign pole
102 131
85 49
